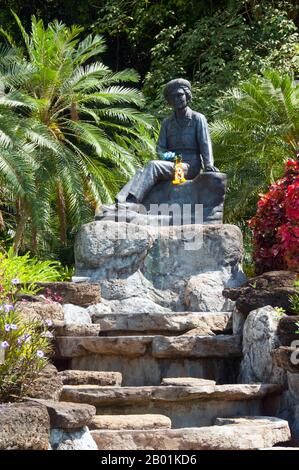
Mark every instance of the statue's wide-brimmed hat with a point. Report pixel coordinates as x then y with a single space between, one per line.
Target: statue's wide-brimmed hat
173 85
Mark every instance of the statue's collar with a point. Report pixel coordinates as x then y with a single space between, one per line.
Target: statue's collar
188 114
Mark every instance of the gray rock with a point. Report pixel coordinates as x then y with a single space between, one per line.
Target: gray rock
259 341
48 384
24 426
74 329
293 383
90 377
39 310
186 381
80 439
65 415
204 292
177 322
241 436
238 321
100 396
76 293
151 269
197 346
148 421
75 315
131 346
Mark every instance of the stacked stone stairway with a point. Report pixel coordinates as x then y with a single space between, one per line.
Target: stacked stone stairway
166 381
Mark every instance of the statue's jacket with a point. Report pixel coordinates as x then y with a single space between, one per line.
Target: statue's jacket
189 138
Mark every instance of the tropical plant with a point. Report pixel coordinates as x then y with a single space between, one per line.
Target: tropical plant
256 132
219 44
27 270
74 111
276 224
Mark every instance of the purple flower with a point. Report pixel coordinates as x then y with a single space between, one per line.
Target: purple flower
39 353
49 322
8 308
27 337
47 334
20 340
5 344
15 281
10 326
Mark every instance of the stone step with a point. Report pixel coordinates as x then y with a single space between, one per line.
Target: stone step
67 415
195 346
146 360
117 422
87 377
186 381
184 405
161 323
250 435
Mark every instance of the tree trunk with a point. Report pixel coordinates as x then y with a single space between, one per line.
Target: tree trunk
19 232
61 214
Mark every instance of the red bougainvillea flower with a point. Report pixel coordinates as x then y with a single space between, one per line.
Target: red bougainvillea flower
276 224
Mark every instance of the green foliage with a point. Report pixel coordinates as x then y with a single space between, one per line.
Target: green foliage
257 130
27 271
280 312
221 48
73 114
24 345
294 299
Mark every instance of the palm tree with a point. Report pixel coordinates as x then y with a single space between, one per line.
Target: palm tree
76 110
256 131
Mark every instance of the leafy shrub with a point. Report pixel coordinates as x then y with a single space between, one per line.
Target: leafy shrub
276 224
24 345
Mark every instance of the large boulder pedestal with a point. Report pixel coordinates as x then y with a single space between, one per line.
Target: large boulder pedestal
144 268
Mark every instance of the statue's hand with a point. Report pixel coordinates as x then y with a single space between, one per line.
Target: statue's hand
210 168
168 156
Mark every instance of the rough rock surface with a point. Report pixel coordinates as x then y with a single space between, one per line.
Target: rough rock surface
76 293
86 377
80 439
119 395
204 292
74 329
147 269
65 415
40 310
176 322
187 381
239 436
130 422
131 346
75 315
287 358
293 383
287 328
24 426
197 346
47 385
271 288
259 340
